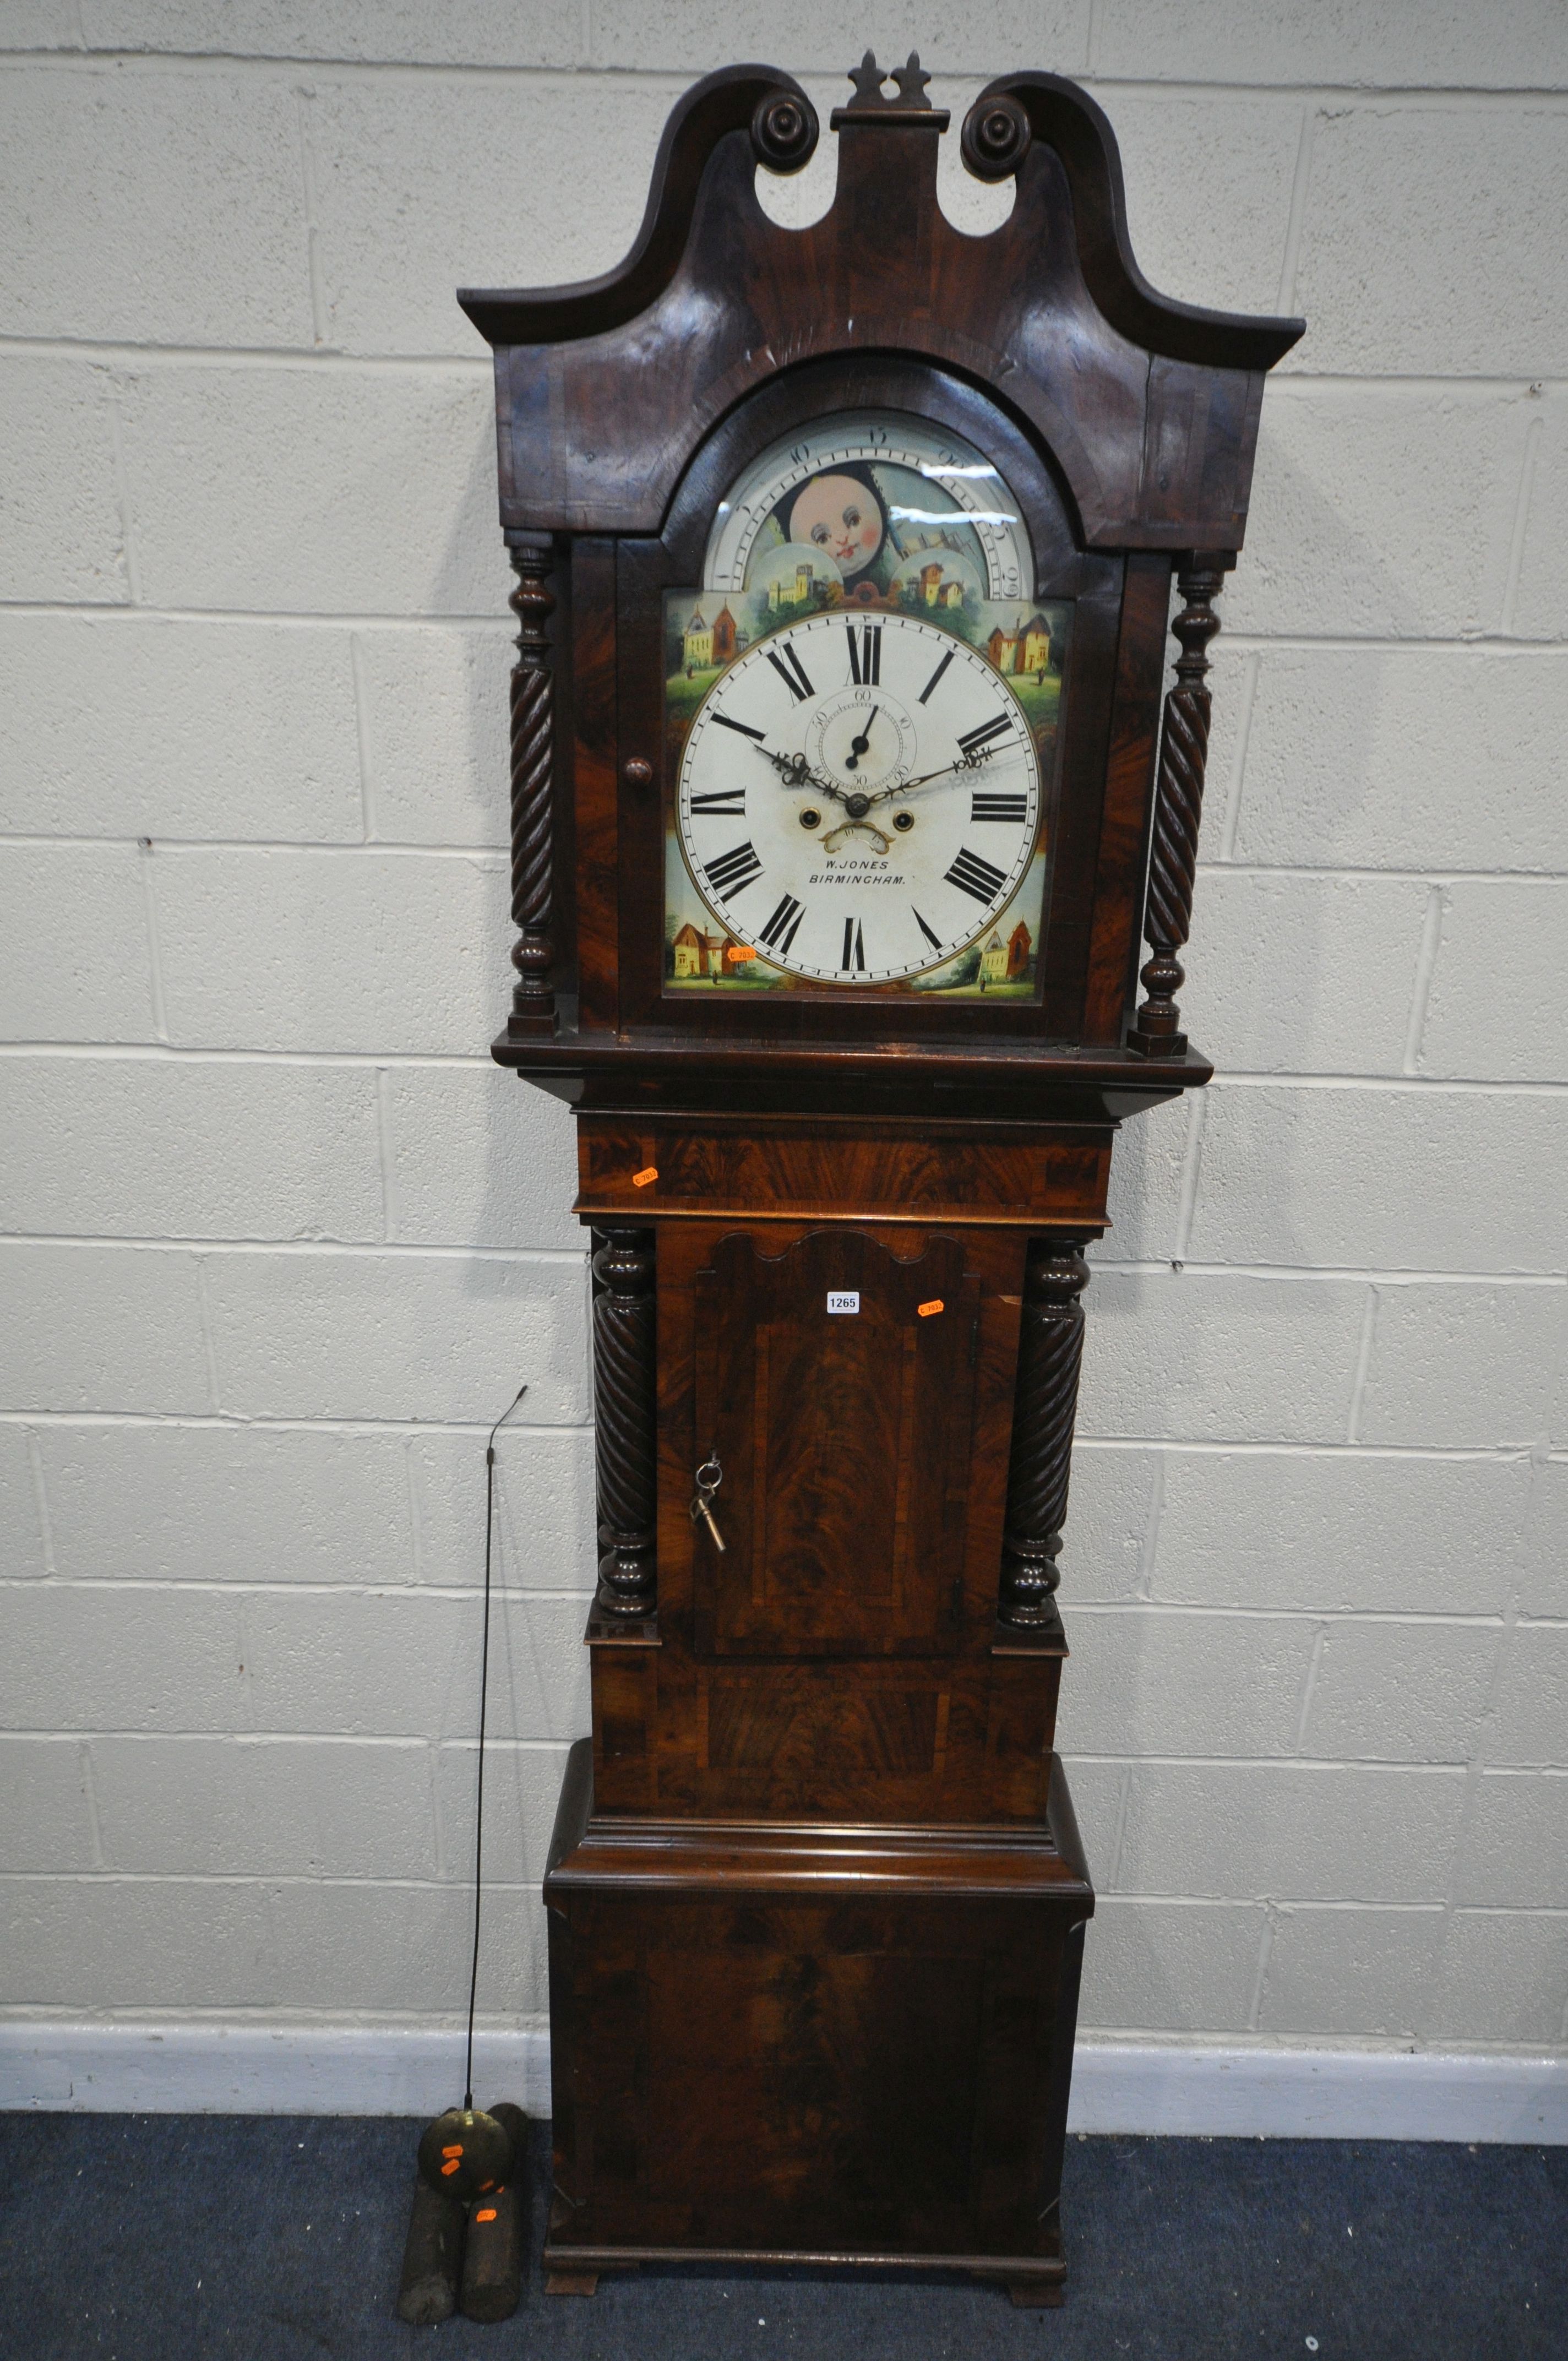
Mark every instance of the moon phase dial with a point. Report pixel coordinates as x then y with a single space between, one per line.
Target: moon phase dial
868 493
859 799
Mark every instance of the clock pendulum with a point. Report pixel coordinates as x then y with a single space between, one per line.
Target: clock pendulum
841 802
466 2226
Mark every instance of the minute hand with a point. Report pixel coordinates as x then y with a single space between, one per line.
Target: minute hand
907 787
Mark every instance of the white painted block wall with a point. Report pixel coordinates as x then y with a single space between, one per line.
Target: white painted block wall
280 1241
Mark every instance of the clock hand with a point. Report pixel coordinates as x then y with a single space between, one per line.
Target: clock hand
907 787
796 771
858 746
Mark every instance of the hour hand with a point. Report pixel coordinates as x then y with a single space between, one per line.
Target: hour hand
796 771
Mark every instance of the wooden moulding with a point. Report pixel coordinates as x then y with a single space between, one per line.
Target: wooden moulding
674 1070
888 1172
691 1856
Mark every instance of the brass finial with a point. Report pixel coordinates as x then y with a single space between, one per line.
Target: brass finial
871 102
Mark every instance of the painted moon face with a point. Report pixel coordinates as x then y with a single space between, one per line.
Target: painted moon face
870 490
840 517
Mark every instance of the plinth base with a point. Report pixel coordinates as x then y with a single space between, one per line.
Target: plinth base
575 2270
822 2046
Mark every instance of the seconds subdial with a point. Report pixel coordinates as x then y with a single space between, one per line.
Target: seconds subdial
864 739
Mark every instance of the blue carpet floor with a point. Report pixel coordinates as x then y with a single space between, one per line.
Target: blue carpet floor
172 2237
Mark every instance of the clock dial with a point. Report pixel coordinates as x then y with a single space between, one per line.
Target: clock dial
859 799
867 502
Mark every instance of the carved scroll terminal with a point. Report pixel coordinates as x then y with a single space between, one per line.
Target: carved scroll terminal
1179 806
1051 1348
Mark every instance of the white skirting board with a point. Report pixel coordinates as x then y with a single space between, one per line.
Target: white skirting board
203 2068
1319 2093
211 2069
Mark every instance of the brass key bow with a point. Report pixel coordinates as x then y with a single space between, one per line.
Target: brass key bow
709 1477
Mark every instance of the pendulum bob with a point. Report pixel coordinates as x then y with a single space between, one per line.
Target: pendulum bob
465 2152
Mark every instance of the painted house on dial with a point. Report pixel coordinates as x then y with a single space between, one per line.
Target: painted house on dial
699 955
1034 646
1029 650
705 644
1005 963
696 953
936 591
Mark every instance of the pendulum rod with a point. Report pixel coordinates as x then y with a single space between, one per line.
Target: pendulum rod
483 1700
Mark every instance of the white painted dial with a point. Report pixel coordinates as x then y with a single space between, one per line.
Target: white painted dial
859 797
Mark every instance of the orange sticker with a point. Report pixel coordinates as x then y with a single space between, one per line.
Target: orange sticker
736 953
455 2166
925 1310
642 1180
453 2151
486 2213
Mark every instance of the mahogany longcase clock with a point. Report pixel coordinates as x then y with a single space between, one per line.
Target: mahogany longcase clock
840 804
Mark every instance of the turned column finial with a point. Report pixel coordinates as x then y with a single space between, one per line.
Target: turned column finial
532 794
1179 806
625 1382
1050 1349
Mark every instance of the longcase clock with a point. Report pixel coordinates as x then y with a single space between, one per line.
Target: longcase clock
841 804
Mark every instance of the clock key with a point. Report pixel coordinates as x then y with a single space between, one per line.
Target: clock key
700 1508
707 1484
